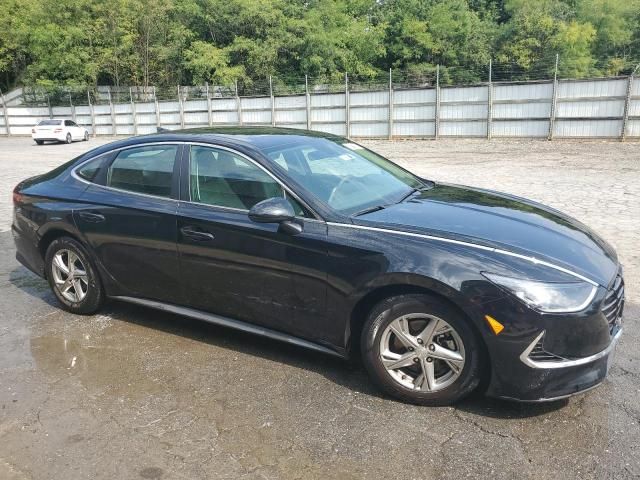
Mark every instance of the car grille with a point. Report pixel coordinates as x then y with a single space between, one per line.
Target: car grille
613 304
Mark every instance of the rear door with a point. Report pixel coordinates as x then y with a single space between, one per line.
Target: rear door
129 219
235 267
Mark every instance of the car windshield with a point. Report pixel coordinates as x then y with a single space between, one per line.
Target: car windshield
346 176
49 122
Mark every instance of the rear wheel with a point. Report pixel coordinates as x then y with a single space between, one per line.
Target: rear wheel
39 142
73 277
68 139
421 350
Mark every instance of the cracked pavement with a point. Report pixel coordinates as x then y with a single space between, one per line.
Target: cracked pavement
135 393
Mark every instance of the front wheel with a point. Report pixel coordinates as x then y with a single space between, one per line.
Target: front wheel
421 350
39 142
73 277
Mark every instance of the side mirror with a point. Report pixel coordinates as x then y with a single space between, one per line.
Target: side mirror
276 210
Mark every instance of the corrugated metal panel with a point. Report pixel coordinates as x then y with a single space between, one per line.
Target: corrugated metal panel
25 121
83 110
588 128
122 108
591 108
222 117
124 120
464 94
146 129
146 107
327 100
328 115
414 112
523 92
83 119
368 98
103 120
146 119
634 108
292 101
291 116
125 130
335 128
527 128
64 112
168 106
169 119
521 110
633 128
414 129
223 104
454 112
369 130
249 103
256 117
370 113
28 111
463 129
193 118
594 88
102 109
414 96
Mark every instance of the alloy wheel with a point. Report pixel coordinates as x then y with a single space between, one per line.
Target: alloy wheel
422 352
70 276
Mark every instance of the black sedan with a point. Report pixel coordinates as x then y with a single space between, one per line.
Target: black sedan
314 240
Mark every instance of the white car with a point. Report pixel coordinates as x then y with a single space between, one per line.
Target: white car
58 130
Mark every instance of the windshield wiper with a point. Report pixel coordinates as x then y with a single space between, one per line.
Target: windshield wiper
364 211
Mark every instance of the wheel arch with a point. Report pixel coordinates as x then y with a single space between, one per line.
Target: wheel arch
375 295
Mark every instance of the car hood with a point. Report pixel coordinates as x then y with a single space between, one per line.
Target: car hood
502 221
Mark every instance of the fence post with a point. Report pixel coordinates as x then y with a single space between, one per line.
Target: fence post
73 108
155 101
238 105
114 128
347 106
93 114
209 114
181 108
133 112
308 101
627 104
390 126
554 98
437 112
6 114
489 103
273 103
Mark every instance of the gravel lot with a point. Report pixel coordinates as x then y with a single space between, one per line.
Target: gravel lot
134 393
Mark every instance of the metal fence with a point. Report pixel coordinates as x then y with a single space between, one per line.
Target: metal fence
591 108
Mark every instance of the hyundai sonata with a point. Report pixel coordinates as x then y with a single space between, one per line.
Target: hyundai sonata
314 240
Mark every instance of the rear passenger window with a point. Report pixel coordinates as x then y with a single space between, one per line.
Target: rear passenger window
146 170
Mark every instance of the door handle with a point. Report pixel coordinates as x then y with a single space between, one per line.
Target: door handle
92 217
196 234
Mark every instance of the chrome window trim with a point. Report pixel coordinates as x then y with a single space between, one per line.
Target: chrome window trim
524 356
316 216
531 259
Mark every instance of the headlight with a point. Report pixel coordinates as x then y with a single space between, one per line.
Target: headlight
548 297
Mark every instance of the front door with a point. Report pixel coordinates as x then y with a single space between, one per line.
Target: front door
129 218
235 267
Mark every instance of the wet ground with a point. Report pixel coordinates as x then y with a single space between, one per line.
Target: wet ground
134 393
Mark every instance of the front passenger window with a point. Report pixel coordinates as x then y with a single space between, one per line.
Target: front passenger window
146 170
222 178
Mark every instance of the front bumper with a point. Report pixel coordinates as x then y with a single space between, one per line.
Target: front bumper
556 379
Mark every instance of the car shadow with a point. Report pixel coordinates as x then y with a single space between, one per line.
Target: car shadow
347 373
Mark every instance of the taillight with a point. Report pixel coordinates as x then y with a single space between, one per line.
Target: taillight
18 198
33 130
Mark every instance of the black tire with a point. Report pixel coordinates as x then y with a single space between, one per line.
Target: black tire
39 142
86 136
393 308
94 298
69 139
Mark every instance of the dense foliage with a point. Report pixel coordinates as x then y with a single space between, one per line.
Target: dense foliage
171 42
